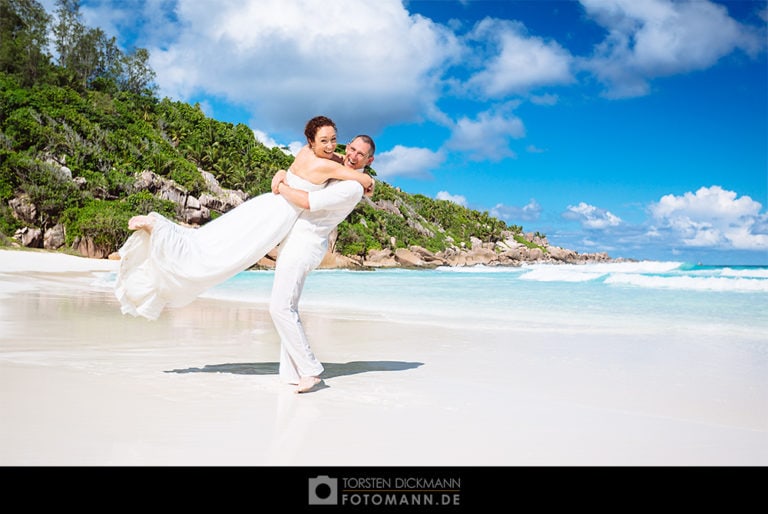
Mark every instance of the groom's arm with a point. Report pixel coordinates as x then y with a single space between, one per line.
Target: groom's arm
297 197
280 175
339 195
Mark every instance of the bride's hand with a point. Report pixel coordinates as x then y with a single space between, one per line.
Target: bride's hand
277 179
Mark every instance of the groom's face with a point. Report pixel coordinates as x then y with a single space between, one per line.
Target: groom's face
357 154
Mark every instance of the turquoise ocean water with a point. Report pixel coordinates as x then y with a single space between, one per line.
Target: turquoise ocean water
730 301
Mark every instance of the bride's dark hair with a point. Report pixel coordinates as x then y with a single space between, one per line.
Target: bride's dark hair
313 125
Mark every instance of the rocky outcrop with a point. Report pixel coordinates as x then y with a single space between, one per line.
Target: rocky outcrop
408 258
508 252
220 199
29 237
87 248
427 257
54 238
380 259
512 250
23 209
193 210
336 260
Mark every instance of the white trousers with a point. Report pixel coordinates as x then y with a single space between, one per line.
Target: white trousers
299 254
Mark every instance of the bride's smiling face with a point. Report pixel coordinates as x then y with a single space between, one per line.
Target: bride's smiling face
325 142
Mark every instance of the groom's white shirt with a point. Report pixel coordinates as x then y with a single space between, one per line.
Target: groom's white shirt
327 208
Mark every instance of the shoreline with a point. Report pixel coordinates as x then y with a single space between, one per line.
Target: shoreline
81 384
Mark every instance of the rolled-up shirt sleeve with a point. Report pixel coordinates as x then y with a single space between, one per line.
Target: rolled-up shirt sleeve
342 195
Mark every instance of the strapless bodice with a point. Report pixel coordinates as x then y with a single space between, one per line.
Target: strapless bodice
297 182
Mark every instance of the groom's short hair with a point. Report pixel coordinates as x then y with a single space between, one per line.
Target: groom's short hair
368 140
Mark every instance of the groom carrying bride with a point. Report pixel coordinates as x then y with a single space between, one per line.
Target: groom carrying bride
166 264
303 250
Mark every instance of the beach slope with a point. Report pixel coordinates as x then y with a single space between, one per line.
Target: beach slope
81 384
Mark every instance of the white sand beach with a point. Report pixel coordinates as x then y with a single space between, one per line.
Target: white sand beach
83 385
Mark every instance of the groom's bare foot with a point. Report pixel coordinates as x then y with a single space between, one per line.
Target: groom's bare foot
307 383
139 222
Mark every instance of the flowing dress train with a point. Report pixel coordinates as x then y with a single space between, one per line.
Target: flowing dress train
174 264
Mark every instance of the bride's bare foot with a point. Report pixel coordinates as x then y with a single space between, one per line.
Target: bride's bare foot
139 222
307 383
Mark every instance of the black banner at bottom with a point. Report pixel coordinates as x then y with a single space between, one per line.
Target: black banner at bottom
324 489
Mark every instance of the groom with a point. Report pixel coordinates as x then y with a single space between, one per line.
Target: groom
302 251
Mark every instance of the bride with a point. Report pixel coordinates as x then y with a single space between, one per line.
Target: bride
166 264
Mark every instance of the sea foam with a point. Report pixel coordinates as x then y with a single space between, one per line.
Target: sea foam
691 283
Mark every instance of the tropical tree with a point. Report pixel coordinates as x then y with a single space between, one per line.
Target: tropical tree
23 40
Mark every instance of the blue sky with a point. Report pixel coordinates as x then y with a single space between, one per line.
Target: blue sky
633 127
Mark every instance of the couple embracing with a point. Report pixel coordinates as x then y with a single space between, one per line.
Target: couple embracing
166 264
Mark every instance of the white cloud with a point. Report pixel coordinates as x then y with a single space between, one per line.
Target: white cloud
289 148
457 199
517 62
295 146
407 161
288 60
513 214
591 217
711 217
487 136
657 38
265 139
371 64
154 18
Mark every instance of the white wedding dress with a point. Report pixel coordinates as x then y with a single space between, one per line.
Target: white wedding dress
174 264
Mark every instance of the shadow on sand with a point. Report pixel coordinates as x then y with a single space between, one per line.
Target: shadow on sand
332 369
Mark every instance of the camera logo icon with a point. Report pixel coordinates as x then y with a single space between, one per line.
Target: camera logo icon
323 490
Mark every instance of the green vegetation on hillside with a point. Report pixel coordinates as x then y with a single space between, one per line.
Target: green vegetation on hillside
77 129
